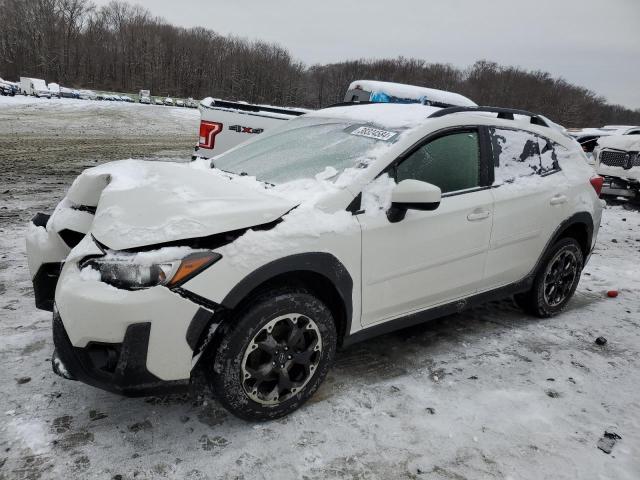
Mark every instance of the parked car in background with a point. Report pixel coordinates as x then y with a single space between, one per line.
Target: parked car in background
158 101
54 89
6 88
179 103
145 96
168 101
34 86
191 103
352 221
87 95
126 98
617 159
588 137
15 86
66 92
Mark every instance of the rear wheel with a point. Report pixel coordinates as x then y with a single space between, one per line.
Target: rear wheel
556 280
274 355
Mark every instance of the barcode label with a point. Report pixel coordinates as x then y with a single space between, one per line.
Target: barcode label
374 133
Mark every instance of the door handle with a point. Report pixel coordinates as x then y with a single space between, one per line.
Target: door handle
478 215
558 200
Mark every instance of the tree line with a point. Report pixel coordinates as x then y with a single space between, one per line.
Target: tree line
123 47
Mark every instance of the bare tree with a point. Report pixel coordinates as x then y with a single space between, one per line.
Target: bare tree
122 47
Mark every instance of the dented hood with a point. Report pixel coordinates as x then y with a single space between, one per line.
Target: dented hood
142 203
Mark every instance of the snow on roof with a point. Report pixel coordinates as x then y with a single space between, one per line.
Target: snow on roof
621 142
391 115
411 91
591 131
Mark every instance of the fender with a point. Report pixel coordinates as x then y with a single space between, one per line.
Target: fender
583 218
320 263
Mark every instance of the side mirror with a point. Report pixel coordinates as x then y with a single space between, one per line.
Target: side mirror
413 195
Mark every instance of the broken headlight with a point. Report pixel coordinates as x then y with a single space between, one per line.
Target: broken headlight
136 271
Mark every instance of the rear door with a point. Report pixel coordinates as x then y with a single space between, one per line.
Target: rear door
530 202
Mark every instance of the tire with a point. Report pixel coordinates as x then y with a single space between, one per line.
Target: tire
552 289
254 372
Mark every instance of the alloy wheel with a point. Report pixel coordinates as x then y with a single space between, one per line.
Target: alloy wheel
281 359
560 277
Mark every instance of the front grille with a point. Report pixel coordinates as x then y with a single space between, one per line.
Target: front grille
614 159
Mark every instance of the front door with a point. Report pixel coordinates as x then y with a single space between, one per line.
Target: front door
430 257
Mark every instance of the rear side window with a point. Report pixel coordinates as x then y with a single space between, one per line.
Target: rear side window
451 162
519 154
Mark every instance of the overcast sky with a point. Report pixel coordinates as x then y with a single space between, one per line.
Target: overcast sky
593 43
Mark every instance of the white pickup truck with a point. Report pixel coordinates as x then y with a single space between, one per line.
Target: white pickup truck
225 124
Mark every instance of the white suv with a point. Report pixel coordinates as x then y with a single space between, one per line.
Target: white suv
340 225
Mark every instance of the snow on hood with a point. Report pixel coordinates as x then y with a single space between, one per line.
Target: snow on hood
621 142
141 203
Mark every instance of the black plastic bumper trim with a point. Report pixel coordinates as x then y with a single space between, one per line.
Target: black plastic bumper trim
130 376
44 285
197 326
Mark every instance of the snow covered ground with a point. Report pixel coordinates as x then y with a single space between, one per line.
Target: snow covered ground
490 393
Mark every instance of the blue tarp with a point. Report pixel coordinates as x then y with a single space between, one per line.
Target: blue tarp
381 97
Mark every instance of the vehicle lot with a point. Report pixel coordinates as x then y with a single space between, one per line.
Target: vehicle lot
489 393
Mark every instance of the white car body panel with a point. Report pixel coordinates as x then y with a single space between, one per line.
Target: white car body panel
525 217
427 259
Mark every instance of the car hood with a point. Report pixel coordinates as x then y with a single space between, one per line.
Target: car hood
143 203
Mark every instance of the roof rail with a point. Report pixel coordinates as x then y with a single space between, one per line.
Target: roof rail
505 113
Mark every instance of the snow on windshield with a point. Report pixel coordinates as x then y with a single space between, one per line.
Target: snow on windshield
311 146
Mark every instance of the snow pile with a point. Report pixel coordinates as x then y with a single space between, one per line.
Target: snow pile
306 221
90 274
302 223
31 433
37 235
376 197
124 174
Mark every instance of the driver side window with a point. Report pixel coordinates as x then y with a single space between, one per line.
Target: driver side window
451 162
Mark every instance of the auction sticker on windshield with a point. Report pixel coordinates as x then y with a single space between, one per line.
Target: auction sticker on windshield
374 133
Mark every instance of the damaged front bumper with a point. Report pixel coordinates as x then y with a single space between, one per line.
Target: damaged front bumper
131 342
116 367
46 252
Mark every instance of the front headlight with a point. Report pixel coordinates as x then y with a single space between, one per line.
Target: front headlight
136 271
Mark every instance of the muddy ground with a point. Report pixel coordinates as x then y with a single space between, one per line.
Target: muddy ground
490 393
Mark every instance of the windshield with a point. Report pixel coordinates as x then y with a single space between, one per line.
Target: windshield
305 148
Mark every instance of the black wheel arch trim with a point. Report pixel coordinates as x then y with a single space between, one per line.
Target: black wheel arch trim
321 263
579 218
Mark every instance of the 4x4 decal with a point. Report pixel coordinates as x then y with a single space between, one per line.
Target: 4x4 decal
241 129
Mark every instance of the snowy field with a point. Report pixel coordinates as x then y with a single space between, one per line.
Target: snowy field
490 393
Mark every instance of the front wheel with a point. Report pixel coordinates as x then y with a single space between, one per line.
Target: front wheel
274 355
556 280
